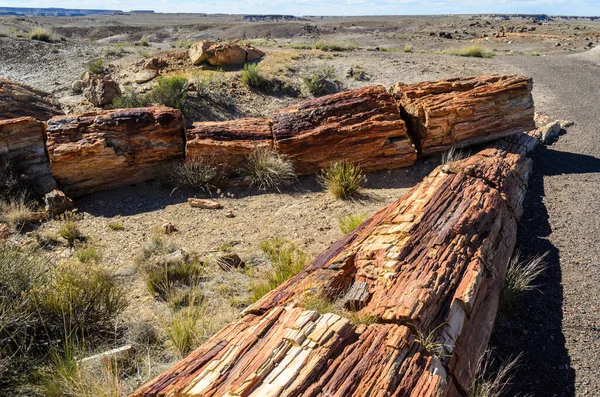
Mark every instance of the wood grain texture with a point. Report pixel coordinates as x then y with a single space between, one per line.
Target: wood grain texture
108 149
433 262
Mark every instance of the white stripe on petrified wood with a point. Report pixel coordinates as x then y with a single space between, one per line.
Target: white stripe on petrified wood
433 261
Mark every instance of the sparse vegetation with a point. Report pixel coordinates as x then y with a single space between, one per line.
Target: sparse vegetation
40 34
130 99
166 274
115 50
320 82
12 184
358 73
429 342
330 46
407 48
342 179
520 277
491 384
144 43
70 232
194 173
116 226
453 154
251 76
266 170
96 66
350 222
89 254
323 305
475 51
185 44
16 212
170 91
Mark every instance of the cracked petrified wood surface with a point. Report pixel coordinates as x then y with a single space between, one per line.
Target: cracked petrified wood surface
107 149
432 262
227 143
466 110
18 100
362 126
22 146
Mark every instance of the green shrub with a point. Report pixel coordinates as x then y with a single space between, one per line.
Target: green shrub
70 232
329 46
144 43
170 91
95 66
251 76
89 254
407 48
342 179
130 99
40 34
319 82
474 50
266 170
193 173
351 222
164 275
209 83
182 329
116 226
185 44
287 260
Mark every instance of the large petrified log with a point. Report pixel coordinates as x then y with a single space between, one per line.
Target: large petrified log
362 126
227 143
467 110
432 262
107 149
18 100
22 147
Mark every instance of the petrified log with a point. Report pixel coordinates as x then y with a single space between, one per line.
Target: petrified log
227 143
432 262
108 149
22 146
362 126
466 110
19 100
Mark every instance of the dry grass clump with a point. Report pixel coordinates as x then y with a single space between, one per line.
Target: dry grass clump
165 275
266 170
350 222
252 77
321 82
342 179
520 277
40 34
130 99
429 342
116 226
17 212
475 51
96 66
453 154
70 232
331 46
323 305
491 384
88 254
287 260
194 173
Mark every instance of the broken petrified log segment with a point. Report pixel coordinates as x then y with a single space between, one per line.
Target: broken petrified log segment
227 143
204 203
22 148
108 149
18 100
466 110
361 126
433 261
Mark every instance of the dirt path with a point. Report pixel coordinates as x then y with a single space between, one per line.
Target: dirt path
558 326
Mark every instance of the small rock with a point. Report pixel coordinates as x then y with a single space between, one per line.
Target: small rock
204 203
99 90
145 76
155 64
230 261
557 44
169 228
230 214
564 124
57 202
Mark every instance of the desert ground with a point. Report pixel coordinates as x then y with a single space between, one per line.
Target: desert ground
555 327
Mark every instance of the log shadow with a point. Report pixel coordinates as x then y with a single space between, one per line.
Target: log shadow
534 325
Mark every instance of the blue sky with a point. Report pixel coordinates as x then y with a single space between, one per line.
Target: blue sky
331 7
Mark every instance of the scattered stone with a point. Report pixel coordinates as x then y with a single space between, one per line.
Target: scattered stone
547 133
564 124
118 354
99 90
557 44
197 52
169 228
230 261
222 54
4 231
146 75
204 203
230 214
155 64
57 202
77 87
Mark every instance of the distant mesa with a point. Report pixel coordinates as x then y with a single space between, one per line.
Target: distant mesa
62 12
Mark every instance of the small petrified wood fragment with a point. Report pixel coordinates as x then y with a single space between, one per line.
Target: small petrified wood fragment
108 149
227 143
22 147
362 126
432 262
466 110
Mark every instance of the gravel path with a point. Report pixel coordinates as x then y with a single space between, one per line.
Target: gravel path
559 328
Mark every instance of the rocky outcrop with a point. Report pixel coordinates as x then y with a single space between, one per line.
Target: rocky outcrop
18 100
462 111
362 126
223 54
100 90
107 149
432 263
227 143
22 146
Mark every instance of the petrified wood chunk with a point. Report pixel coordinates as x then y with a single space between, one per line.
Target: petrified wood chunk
433 262
227 143
362 126
107 149
466 110
19 100
22 146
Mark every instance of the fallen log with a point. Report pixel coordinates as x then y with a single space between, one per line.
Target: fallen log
466 110
18 100
108 149
22 147
432 263
361 126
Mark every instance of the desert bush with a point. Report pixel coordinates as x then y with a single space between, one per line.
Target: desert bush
130 99
520 277
251 76
342 179
474 50
163 276
320 82
208 82
70 232
116 226
115 50
16 212
181 329
170 91
194 173
89 254
266 170
329 46
144 43
287 260
350 222
407 48
185 44
488 383
357 73
95 66
40 34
